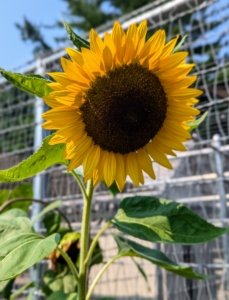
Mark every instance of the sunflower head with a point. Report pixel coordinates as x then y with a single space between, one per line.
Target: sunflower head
121 104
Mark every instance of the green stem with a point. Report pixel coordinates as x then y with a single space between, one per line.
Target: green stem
70 263
98 277
82 187
95 240
84 240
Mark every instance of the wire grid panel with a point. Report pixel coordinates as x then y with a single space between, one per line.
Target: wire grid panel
194 180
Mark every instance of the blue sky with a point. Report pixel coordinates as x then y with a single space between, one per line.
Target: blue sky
13 51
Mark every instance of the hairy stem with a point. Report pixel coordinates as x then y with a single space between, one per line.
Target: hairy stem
84 241
81 185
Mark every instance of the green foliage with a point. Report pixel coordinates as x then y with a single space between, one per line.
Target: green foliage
47 209
142 272
31 32
76 39
4 196
60 295
163 221
63 281
132 249
197 122
6 288
97 256
22 191
30 83
21 290
52 222
43 158
178 46
20 243
113 189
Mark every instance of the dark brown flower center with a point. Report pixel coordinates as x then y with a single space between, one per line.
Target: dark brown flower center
124 109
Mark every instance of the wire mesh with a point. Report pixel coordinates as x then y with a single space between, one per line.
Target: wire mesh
195 180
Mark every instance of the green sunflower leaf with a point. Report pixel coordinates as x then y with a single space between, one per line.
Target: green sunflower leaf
74 38
45 157
197 122
64 281
178 46
164 221
60 295
127 247
21 244
30 83
142 272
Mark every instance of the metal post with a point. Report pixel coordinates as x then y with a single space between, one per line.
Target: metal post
38 183
216 143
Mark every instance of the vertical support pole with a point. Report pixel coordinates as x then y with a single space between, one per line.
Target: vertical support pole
38 183
216 143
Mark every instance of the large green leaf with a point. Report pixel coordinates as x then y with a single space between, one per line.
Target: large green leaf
160 220
63 281
20 246
197 122
76 39
30 83
13 213
59 295
130 248
45 157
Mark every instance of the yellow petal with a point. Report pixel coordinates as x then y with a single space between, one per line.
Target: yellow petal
51 101
98 173
57 140
107 58
108 41
171 62
183 94
72 72
72 129
120 176
168 48
142 30
158 156
132 167
62 78
91 160
96 43
145 163
179 84
119 39
109 167
75 56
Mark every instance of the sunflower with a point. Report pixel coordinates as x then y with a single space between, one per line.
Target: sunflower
122 103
